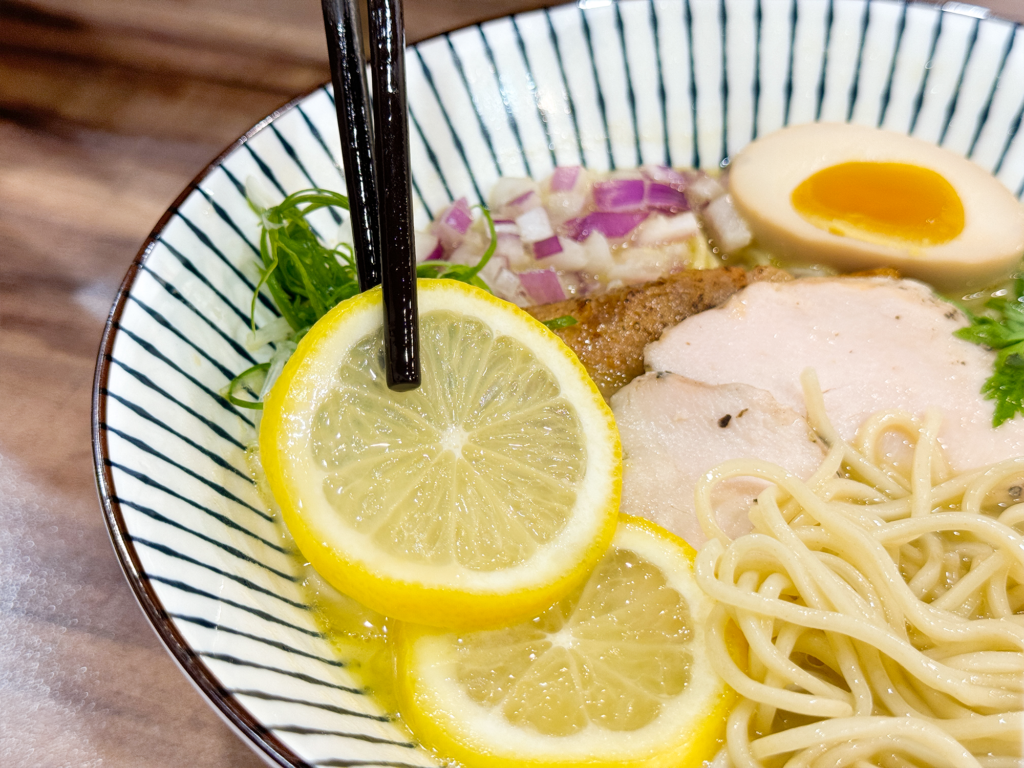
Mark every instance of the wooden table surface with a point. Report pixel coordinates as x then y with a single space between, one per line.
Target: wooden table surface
107 109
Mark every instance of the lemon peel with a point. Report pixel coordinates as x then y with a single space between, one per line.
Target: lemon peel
615 675
480 498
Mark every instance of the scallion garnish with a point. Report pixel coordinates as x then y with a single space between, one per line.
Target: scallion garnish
557 323
249 382
307 279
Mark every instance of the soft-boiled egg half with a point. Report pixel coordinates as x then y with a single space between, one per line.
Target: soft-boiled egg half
858 198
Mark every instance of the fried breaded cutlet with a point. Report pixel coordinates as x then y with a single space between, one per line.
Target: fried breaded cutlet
613 328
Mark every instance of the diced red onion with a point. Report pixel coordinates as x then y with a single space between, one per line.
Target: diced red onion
506 226
727 227
534 225
547 247
458 216
437 254
619 195
542 285
564 178
639 265
665 175
613 225
453 224
663 197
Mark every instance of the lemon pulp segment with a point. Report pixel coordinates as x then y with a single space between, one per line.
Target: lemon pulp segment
882 202
478 466
614 674
498 476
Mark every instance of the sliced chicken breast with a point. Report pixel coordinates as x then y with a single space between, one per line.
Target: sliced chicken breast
613 328
675 429
876 344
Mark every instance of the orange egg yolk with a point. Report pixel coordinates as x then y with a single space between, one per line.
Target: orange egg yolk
889 203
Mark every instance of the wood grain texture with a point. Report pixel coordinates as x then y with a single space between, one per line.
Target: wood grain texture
107 109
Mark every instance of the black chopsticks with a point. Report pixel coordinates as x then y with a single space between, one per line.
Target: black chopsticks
380 188
348 73
391 124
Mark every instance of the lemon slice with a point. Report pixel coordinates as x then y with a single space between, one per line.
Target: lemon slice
617 674
483 496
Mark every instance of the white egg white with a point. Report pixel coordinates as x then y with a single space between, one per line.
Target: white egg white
763 176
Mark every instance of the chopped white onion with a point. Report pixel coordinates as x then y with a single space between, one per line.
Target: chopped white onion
506 227
277 361
277 329
493 268
703 190
562 206
726 227
468 253
534 225
667 229
507 189
599 254
573 256
506 285
426 244
641 264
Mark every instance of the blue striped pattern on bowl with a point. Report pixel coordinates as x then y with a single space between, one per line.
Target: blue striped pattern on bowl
608 85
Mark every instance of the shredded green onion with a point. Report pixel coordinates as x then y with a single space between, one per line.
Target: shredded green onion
557 323
249 381
306 279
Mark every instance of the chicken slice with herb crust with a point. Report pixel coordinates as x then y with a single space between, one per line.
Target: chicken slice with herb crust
613 328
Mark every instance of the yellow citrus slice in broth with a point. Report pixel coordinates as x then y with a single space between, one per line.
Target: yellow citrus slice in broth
497 478
615 674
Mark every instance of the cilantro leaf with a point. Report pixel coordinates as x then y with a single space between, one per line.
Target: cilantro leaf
1006 385
1002 330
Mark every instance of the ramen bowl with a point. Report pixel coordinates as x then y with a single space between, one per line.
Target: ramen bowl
606 85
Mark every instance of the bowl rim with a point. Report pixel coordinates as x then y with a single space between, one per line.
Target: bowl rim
257 736
230 710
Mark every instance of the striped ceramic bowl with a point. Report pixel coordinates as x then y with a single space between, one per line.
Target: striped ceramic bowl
606 84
